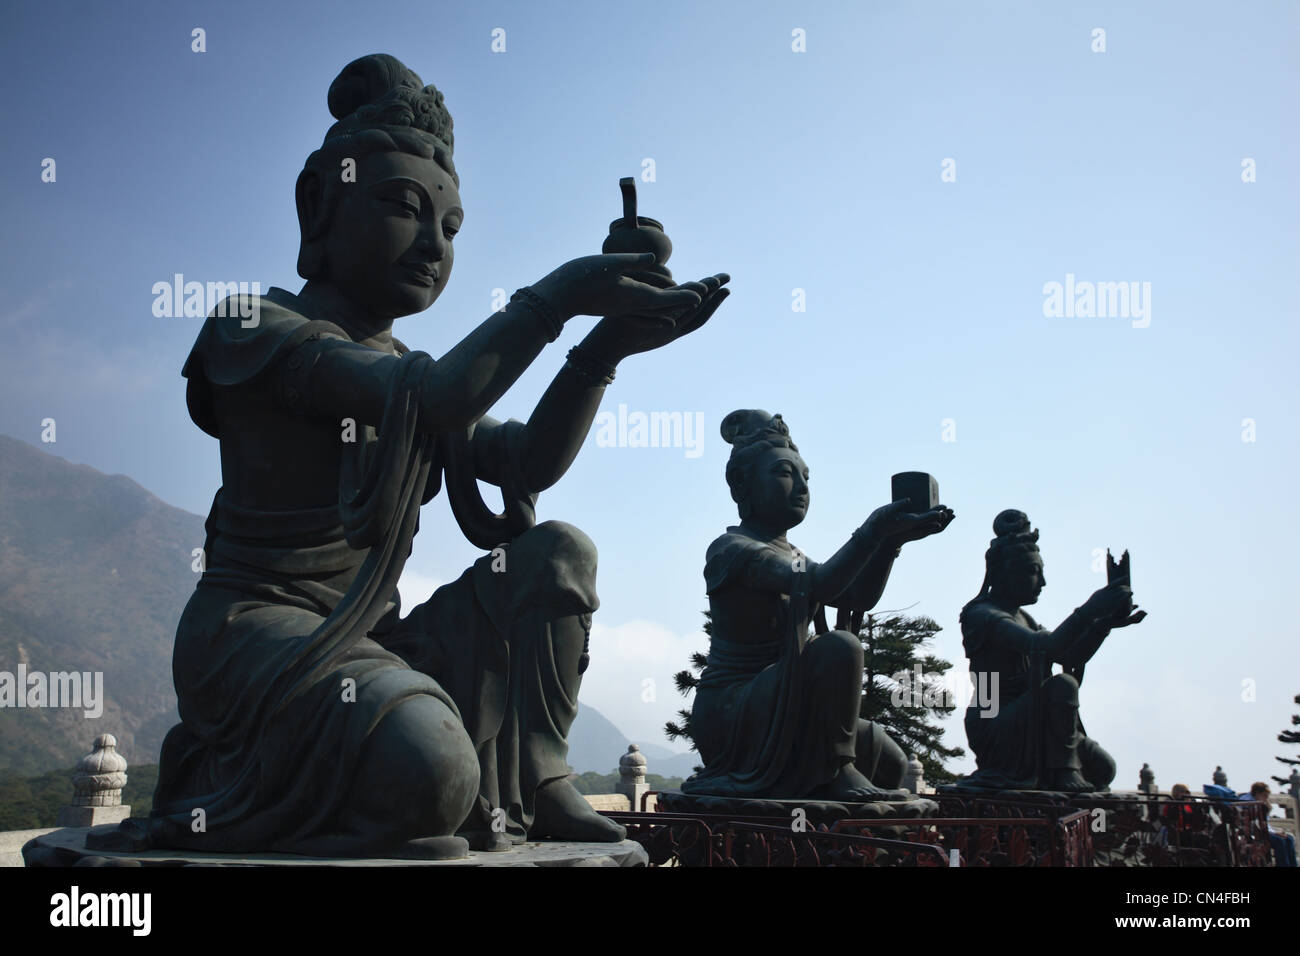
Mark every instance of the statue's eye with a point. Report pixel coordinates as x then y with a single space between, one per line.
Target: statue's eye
405 202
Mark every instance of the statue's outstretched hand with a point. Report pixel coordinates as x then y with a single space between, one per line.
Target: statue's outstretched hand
927 523
1113 606
1133 618
601 285
628 334
895 522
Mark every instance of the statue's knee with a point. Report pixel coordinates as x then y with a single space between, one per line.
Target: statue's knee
553 565
1061 690
1098 766
421 760
1104 771
891 767
836 649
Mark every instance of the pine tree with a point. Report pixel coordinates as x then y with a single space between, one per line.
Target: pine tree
1289 737
907 709
686 682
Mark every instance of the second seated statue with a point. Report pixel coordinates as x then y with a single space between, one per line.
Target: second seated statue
776 709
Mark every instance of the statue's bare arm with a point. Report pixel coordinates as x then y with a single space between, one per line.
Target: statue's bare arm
348 380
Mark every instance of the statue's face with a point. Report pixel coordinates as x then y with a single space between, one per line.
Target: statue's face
778 489
1024 580
389 248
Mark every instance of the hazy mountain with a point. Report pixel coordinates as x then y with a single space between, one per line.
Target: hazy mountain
595 744
94 573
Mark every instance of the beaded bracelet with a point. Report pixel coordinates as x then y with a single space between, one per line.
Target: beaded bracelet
542 309
590 369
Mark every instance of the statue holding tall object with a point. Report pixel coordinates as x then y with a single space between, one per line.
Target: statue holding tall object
316 719
1030 737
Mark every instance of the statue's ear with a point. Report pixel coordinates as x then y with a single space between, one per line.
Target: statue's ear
309 195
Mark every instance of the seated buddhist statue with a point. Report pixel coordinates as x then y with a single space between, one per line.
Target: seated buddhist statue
315 718
776 708
1027 735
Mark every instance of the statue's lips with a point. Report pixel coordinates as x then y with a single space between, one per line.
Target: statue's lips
421 275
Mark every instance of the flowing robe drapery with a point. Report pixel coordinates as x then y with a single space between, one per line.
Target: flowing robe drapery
1030 731
776 710
280 666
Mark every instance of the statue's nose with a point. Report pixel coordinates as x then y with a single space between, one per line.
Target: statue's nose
433 245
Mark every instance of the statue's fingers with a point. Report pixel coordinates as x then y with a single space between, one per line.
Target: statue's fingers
649 299
704 313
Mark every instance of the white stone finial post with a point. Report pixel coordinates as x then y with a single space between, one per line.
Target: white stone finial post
631 776
914 778
97 787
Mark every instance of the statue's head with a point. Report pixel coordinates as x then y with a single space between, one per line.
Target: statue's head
1013 563
768 479
379 202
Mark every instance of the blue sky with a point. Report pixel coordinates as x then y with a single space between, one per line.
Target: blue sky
816 170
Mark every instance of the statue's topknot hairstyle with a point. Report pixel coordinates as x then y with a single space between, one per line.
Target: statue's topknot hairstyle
379 105
750 432
746 426
1015 542
379 92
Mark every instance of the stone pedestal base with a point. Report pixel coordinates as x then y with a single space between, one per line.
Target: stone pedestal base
67 847
962 787
816 811
91 816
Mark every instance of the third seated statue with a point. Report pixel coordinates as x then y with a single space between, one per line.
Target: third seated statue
776 709
1032 739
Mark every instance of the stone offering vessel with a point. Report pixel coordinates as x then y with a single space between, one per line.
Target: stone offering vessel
631 233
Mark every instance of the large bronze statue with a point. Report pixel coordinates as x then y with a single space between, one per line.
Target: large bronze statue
1029 737
316 719
776 709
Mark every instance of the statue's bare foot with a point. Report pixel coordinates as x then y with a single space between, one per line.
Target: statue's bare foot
1067 781
129 837
489 841
850 785
563 814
